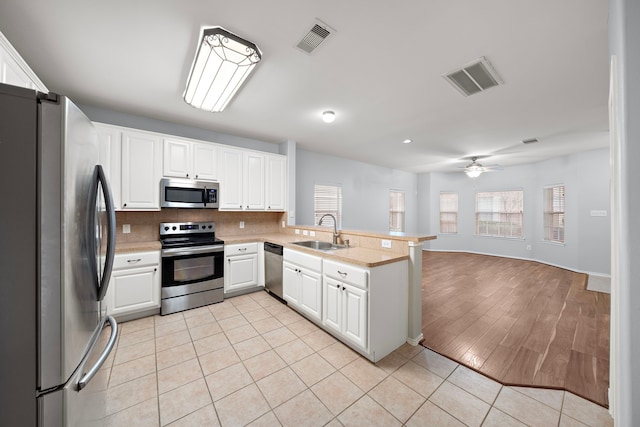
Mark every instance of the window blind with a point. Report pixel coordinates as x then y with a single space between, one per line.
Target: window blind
327 200
554 204
499 213
448 213
396 211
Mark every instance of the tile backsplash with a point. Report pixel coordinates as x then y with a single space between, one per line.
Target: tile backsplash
145 226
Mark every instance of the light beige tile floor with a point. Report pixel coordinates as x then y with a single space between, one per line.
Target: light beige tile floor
253 361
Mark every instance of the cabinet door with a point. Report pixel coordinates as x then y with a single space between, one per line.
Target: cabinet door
275 190
241 272
205 161
141 170
332 304
230 179
134 290
290 284
110 155
311 293
253 181
177 159
354 311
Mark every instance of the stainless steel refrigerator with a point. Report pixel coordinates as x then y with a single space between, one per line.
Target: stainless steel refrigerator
56 253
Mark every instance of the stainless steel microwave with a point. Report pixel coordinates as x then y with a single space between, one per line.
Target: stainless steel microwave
186 193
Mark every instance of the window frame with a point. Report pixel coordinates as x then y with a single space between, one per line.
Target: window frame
337 211
449 213
501 215
400 211
549 231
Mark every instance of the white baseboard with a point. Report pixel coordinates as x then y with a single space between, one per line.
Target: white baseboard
415 341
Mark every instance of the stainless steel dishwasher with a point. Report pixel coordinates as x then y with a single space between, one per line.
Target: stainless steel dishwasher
273 269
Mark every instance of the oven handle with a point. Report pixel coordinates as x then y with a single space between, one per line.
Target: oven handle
174 252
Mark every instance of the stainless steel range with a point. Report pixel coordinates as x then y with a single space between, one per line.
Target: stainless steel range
192 266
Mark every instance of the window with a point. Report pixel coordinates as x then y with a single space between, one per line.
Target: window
554 214
448 213
396 210
499 213
327 200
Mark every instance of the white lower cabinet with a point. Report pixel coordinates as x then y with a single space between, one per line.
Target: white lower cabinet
345 304
302 282
135 283
241 267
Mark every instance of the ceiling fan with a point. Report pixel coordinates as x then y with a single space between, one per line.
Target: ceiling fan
475 169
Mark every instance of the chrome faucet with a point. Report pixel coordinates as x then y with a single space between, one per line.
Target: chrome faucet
335 227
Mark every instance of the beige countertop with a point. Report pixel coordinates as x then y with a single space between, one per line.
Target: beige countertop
353 255
365 257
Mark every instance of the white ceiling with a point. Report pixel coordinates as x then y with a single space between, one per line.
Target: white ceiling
381 72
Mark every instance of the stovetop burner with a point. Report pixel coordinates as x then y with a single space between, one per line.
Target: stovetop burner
186 234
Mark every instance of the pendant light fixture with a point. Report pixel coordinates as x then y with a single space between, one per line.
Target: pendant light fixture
222 64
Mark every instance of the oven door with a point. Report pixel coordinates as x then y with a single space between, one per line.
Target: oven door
194 269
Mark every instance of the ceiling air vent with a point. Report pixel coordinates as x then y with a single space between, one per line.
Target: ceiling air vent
474 77
530 141
318 33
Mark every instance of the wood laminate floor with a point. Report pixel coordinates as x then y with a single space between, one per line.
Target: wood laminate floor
518 322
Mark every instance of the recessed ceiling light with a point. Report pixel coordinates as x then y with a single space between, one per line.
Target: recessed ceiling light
328 116
407 141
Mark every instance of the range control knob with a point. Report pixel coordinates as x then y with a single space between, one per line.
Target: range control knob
210 226
166 228
204 226
173 228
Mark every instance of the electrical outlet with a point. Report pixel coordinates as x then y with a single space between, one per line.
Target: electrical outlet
241 224
126 228
529 247
312 233
386 243
305 232
283 225
297 231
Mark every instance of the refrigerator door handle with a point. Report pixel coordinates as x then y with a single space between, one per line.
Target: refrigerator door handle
103 356
111 232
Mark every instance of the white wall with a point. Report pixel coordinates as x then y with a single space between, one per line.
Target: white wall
586 178
365 191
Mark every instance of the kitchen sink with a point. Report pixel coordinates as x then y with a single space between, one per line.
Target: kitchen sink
320 246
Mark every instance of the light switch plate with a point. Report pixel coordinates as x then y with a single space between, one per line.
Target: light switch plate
297 231
241 224
312 233
305 232
126 228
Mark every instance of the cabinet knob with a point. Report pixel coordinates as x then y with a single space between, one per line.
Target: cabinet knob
187 175
196 176
124 204
338 286
343 288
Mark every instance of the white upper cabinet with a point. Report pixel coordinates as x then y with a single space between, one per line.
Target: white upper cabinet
275 182
14 70
205 161
254 181
141 170
110 154
188 159
230 167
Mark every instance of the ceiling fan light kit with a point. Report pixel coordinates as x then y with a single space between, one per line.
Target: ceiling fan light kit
222 64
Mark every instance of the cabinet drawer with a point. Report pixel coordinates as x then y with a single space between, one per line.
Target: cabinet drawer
345 273
303 260
135 259
240 249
